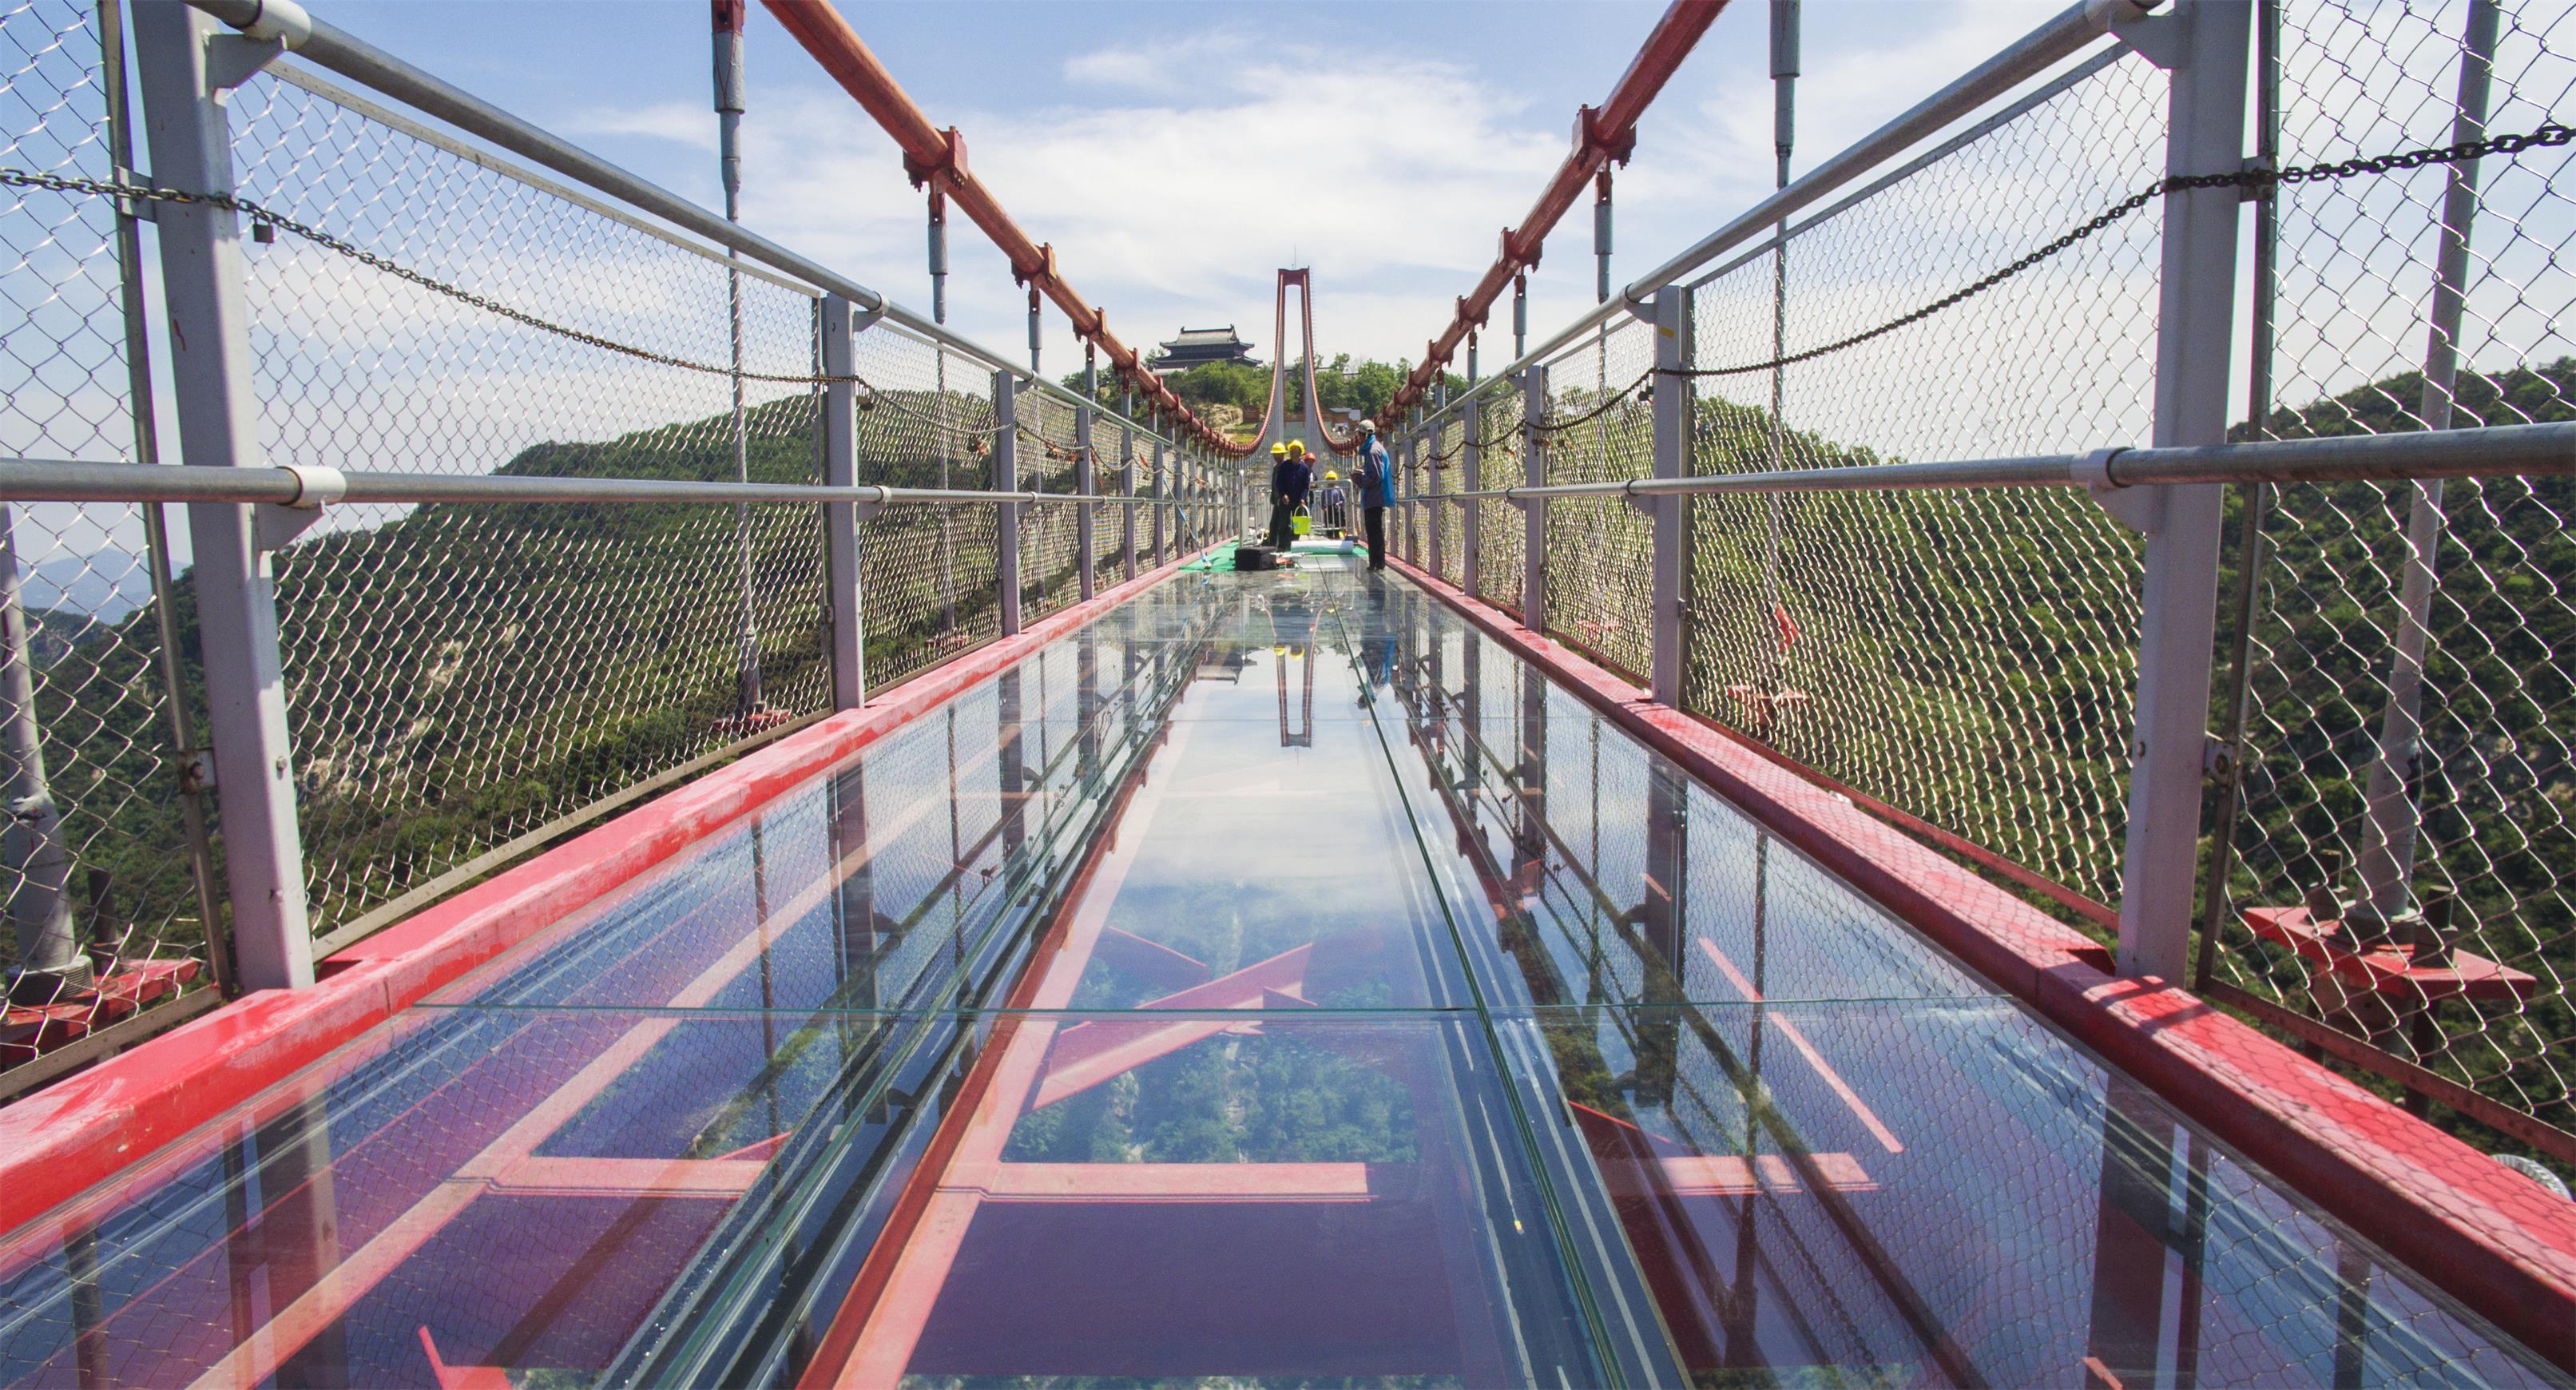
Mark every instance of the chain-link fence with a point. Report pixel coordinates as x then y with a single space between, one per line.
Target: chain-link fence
104 916
1967 657
463 681
1500 535
2406 694
460 677
1601 549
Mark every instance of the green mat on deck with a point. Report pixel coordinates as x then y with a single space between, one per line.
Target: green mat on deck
1220 559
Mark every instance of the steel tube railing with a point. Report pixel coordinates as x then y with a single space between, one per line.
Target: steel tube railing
2494 452
2052 42
46 480
354 58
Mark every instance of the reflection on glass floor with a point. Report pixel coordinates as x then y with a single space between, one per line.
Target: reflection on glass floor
1275 982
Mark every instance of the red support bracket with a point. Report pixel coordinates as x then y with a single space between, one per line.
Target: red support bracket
951 162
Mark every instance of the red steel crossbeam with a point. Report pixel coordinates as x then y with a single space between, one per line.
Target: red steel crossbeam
937 158
1601 134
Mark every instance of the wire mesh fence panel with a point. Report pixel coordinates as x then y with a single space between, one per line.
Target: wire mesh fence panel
1967 657
102 903
2409 712
1050 577
1447 524
1600 550
459 677
926 572
1500 536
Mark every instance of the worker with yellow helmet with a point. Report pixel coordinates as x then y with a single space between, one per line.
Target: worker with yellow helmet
1289 477
1333 505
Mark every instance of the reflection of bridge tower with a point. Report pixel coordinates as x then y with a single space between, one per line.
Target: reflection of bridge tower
1296 409
1302 735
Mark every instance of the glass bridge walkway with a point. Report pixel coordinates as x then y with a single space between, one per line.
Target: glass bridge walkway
1274 980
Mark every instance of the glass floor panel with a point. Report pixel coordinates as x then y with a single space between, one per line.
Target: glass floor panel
1273 982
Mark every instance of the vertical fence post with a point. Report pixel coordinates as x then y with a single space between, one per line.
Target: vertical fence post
2195 337
1671 511
1432 493
841 573
1086 477
1471 514
1156 474
201 273
1127 488
2395 815
1534 509
1006 478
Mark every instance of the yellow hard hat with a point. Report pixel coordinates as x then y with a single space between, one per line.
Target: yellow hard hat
1277 450
1296 446
1332 475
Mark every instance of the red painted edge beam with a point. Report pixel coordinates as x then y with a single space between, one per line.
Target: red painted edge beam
938 157
1601 134
2483 1233
92 1125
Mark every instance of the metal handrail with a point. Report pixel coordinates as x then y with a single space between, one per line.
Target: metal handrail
2060 38
48 480
2493 451
339 51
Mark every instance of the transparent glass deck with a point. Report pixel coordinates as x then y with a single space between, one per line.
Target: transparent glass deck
1274 982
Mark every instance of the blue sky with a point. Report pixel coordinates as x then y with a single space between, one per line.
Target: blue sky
1177 154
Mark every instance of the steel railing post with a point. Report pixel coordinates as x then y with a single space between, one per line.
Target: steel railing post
2395 817
1671 512
1157 472
842 577
1127 488
1534 509
1471 518
1086 516
202 278
1006 478
2195 339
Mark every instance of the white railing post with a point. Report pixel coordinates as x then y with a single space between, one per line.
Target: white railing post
841 574
201 276
1127 488
2195 336
1006 478
1432 492
1156 483
1671 512
1534 509
1471 518
1086 524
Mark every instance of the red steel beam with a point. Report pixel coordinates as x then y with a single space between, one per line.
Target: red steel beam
938 158
1601 134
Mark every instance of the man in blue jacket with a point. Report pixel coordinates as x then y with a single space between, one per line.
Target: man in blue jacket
1288 478
1376 484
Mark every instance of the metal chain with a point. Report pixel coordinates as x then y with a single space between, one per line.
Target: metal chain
107 188
2259 179
2547 134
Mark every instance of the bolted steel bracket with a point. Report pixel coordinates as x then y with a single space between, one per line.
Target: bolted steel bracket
2141 509
2152 36
194 770
275 525
2218 759
1648 506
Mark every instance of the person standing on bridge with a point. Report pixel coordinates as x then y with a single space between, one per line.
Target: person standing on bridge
1288 479
1374 479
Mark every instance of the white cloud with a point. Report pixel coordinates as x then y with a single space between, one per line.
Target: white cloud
1158 66
669 120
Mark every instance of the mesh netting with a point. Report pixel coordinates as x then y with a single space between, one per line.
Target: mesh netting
1965 656
104 895
2409 712
1600 571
